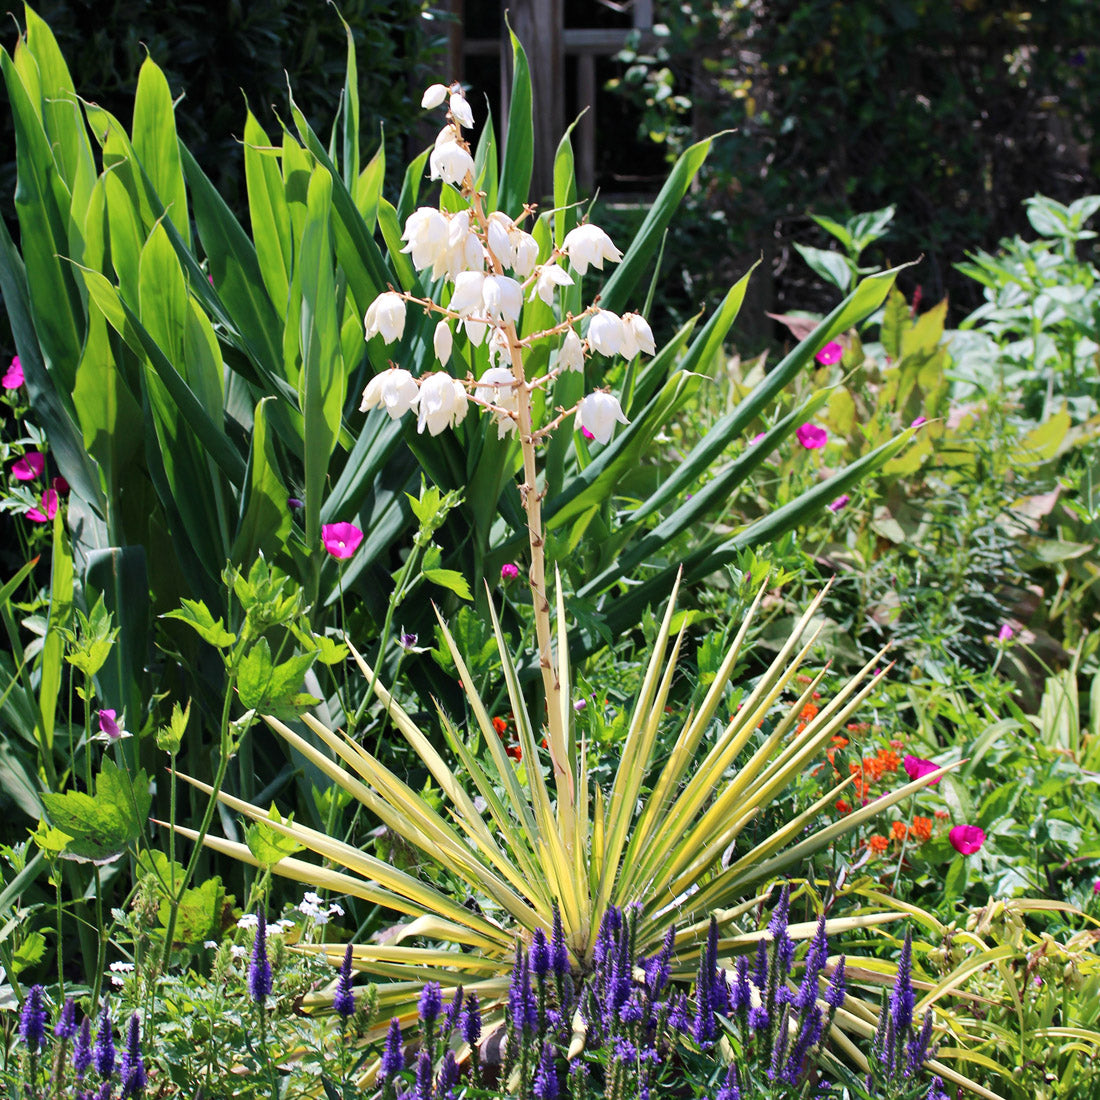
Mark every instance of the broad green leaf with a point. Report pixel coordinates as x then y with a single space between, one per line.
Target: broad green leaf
265 523
451 579
831 266
268 845
519 145
157 146
268 211
201 912
198 616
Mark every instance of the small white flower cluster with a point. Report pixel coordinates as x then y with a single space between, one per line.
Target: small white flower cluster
119 972
472 250
313 907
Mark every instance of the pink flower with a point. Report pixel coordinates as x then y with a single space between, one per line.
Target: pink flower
830 353
49 504
966 839
919 421
341 539
509 571
32 465
13 376
108 726
756 439
1096 886
1005 633
839 503
812 437
915 767
60 486
587 434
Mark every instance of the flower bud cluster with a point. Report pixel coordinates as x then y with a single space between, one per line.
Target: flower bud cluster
491 265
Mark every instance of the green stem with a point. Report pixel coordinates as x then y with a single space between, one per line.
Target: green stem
101 951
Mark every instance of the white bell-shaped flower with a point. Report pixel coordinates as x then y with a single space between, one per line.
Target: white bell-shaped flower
451 163
637 336
427 234
589 244
502 297
434 95
498 385
500 238
599 412
466 298
442 403
550 277
460 110
525 249
394 389
498 346
571 352
475 331
442 342
385 317
605 332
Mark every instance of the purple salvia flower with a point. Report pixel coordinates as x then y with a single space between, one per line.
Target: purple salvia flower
759 1018
678 1016
902 997
259 969
32 1019
657 973
731 1090
82 1049
834 994
703 1030
393 1057
624 1050
779 1051
918 1052
559 953
633 1010
104 1092
454 1012
808 1035
521 1001
471 1021
760 970
546 1077
815 960
448 1076
423 1090
104 1053
133 1066
65 1028
431 1002
935 1090
777 927
343 1003
540 954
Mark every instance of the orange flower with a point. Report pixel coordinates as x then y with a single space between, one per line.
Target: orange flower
500 725
888 759
802 678
900 830
942 815
808 712
840 742
896 744
515 752
842 806
878 843
922 828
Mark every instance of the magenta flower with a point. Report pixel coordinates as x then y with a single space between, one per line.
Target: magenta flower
60 486
48 509
812 437
1096 886
509 571
13 376
756 438
32 465
1005 633
919 421
587 434
839 503
916 768
830 353
966 839
341 539
108 726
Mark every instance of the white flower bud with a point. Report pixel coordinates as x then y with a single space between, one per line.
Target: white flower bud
500 240
394 389
475 331
498 346
385 316
599 412
526 252
498 385
551 276
433 96
571 352
460 110
589 244
605 332
451 163
502 297
442 341
637 336
442 403
466 298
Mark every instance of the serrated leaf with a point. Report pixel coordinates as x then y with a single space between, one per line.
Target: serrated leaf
450 578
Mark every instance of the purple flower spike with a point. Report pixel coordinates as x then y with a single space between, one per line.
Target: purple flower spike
453 1014
540 954
431 1002
259 969
343 1004
133 1067
760 970
448 1076
559 953
815 960
731 1090
834 994
393 1058
65 1028
902 997
104 1053
104 1092
82 1049
546 1078
32 1019
741 995
777 927
471 1021
918 1050
423 1090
